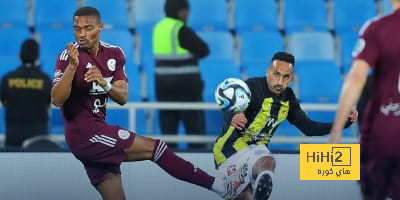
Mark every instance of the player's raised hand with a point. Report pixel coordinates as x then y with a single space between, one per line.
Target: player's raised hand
239 121
94 74
73 54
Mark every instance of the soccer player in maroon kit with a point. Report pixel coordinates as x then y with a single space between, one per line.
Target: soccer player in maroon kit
87 73
378 47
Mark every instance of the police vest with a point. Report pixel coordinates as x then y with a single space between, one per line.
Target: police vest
170 57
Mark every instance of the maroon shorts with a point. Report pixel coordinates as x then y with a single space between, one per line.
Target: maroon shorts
380 177
101 150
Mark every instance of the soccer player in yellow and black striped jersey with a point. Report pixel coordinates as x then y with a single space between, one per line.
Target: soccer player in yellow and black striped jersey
245 136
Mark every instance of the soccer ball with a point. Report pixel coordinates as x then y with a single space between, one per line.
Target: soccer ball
233 95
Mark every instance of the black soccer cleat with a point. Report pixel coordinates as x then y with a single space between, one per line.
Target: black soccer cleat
263 188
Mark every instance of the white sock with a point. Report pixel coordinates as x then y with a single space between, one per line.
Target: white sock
218 186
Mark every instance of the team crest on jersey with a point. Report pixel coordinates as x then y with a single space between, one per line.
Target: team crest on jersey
360 45
111 64
123 134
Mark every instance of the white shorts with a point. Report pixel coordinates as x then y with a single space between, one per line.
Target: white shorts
249 157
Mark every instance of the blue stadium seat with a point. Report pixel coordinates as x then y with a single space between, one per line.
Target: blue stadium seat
256 50
56 122
386 6
318 83
143 20
347 43
220 64
208 15
312 46
9 64
13 14
54 14
51 46
121 38
135 85
305 16
257 15
146 60
221 46
345 15
11 41
114 14
213 74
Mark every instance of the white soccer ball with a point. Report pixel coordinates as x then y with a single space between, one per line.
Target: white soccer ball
233 95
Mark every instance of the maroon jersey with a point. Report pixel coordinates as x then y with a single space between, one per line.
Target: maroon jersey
85 109
379 45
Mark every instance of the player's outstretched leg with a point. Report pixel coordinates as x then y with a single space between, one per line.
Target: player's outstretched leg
263 186
186 171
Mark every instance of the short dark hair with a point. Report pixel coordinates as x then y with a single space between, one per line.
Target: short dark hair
172 7
88 10
284 56
29 51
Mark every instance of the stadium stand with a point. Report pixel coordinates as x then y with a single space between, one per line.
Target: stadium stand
305 16
347 43
384 6
259 15
143 21
52 42
204 17
18 21
312 46
256 50
10 42
53 14
114 13
321 48
345 17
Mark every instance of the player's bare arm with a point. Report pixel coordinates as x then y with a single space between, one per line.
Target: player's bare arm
352 88
62 89
118 91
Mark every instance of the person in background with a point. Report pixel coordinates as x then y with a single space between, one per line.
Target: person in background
377 48
25 94
177 49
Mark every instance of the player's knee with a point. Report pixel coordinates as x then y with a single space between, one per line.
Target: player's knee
144 148
263 164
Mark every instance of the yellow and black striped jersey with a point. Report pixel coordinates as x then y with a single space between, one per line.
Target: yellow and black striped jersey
264 114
